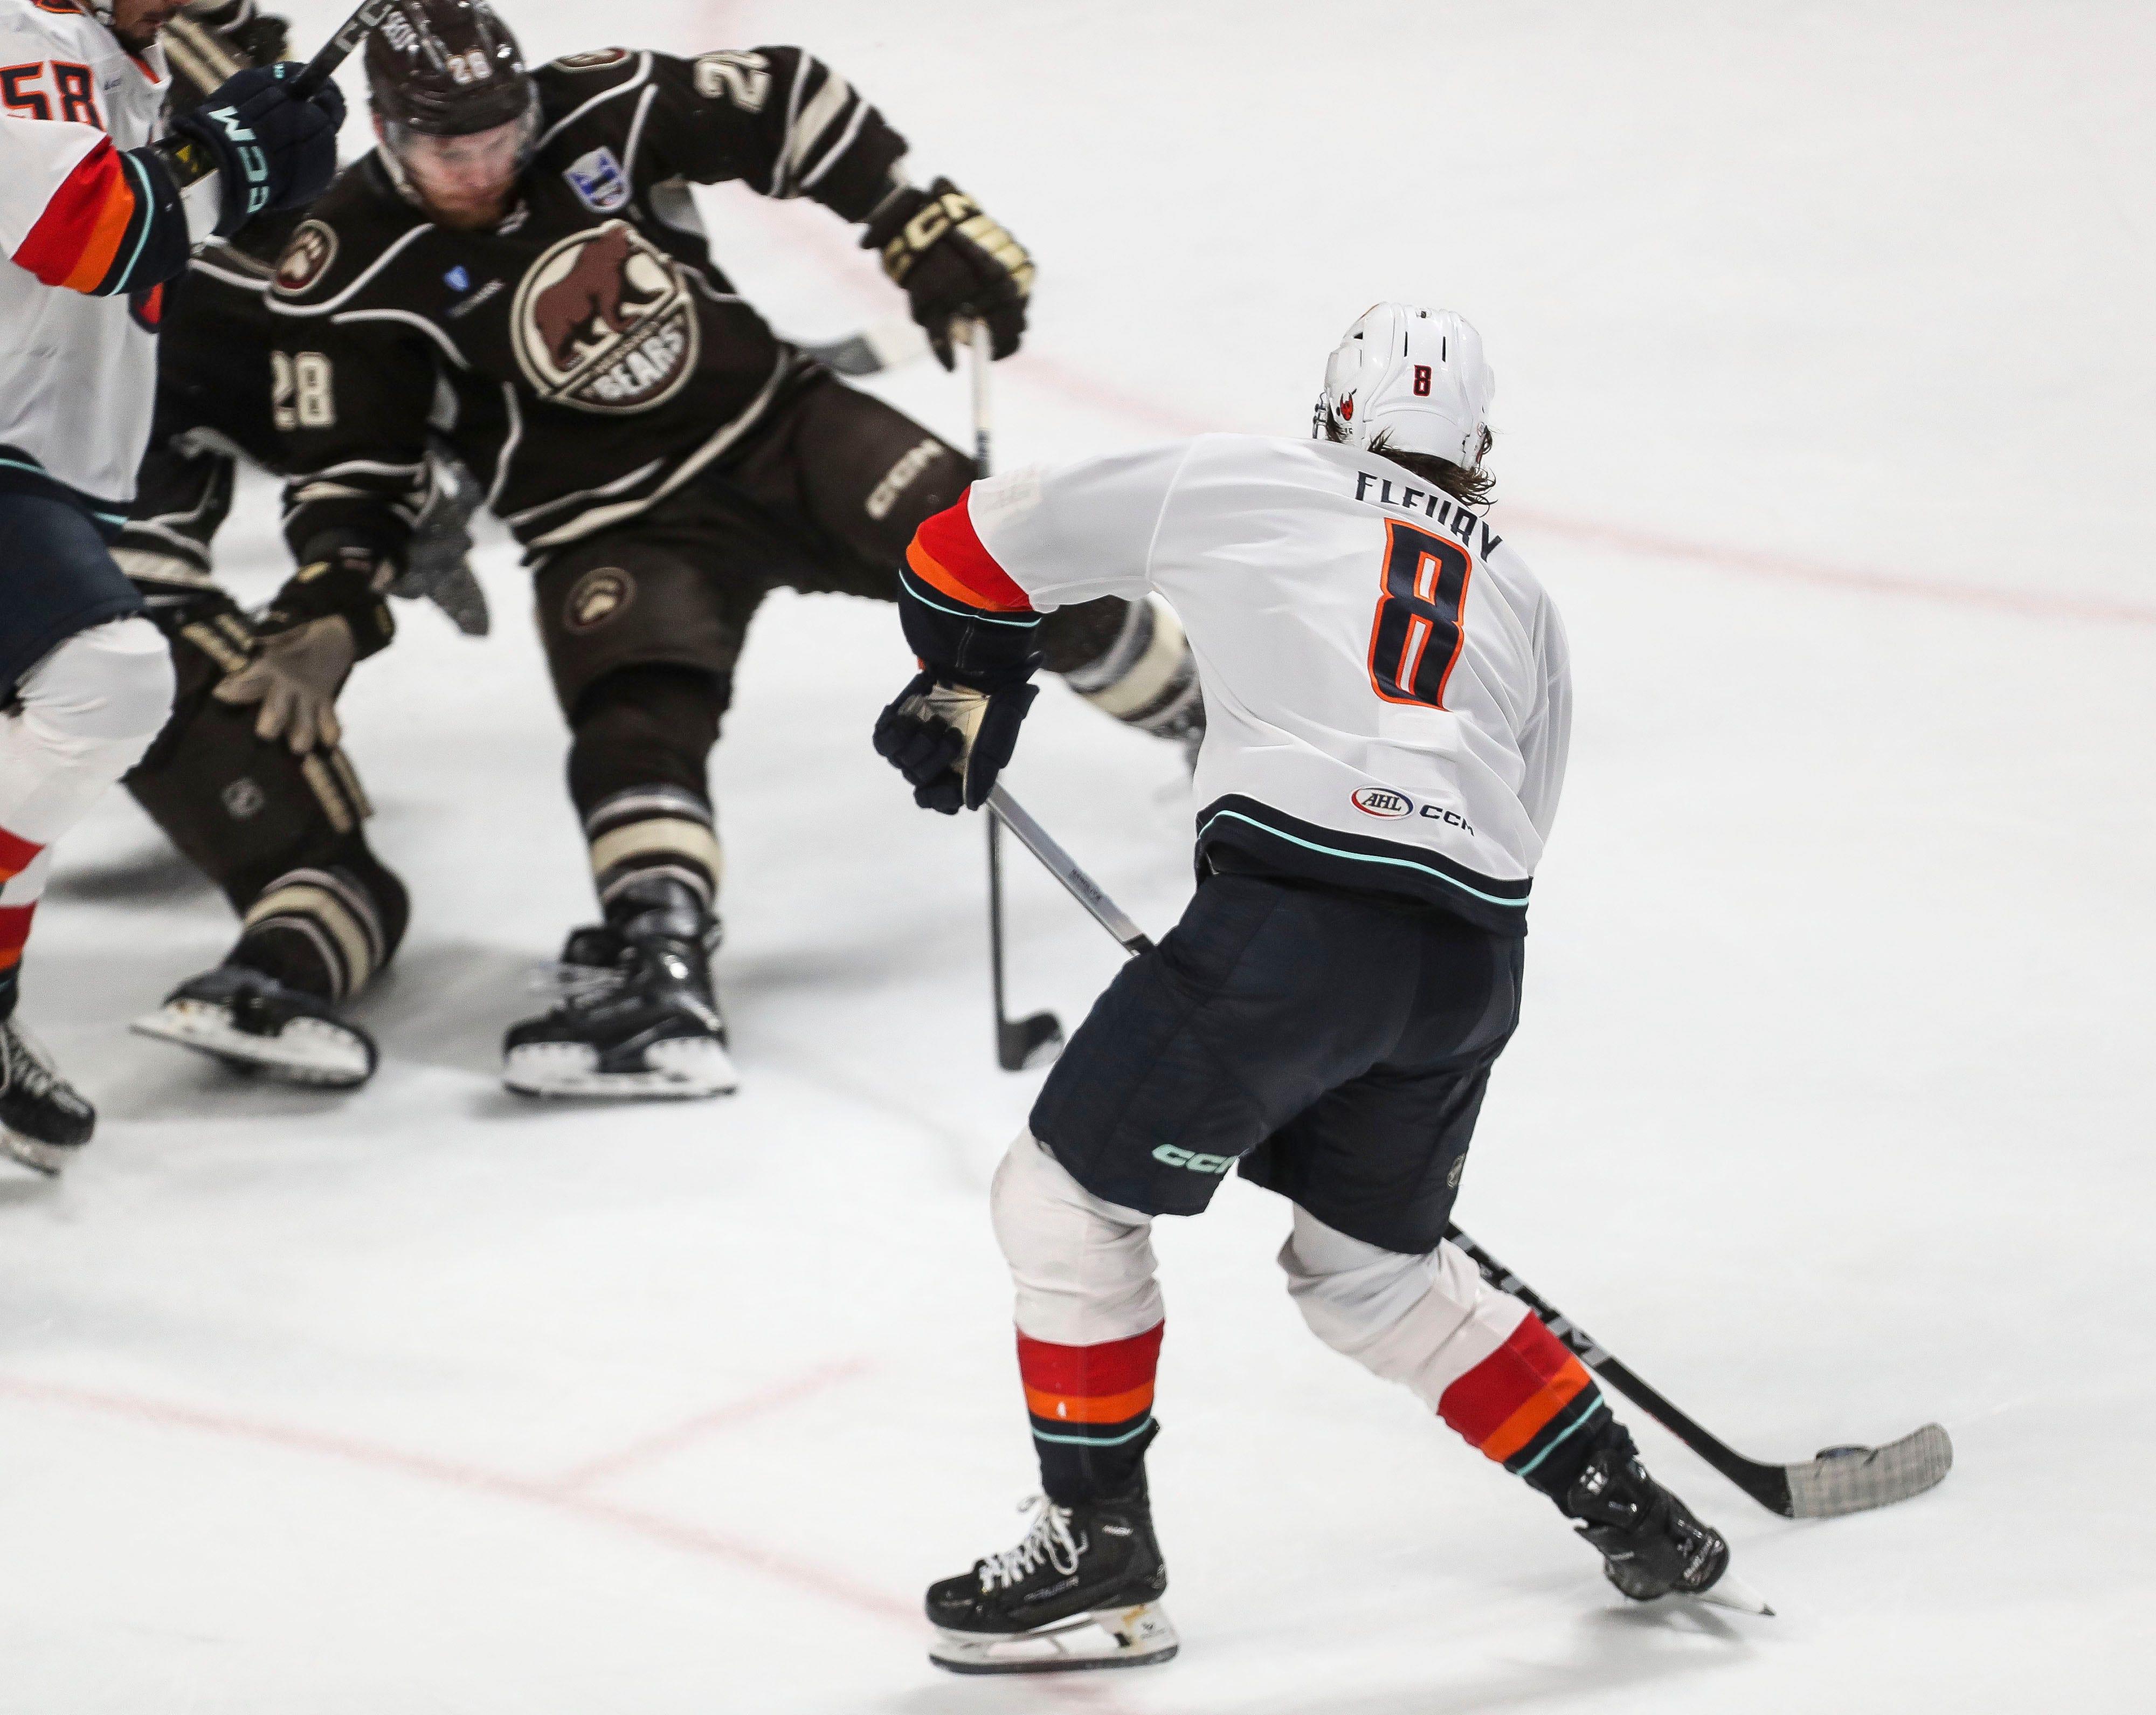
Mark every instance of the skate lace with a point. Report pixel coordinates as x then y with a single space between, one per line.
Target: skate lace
22 1063
1048 1541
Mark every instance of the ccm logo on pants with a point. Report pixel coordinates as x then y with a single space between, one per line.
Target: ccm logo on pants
1196 1164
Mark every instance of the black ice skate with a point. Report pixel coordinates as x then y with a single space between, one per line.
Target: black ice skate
253 1022
637 1017
1082 1589
43 1120
1651 1545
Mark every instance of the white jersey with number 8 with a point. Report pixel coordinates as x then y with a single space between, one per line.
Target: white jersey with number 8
1387 693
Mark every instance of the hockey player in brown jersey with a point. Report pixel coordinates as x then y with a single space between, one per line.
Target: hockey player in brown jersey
249 779
520 264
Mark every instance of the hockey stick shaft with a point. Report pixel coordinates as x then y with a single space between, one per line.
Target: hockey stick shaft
1019 1041
192 163
1060 864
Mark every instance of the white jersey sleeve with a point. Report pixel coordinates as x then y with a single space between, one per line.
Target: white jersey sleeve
1080 533
88 222
1387 695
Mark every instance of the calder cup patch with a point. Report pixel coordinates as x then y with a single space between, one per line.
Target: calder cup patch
307 257
598 596
603 322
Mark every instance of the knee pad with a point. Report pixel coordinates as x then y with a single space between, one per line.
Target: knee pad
109 685
243 810
1422 1320
88 712
1083 1267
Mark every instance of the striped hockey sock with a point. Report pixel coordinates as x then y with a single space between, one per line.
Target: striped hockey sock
654 830
1531 1406
1092 1412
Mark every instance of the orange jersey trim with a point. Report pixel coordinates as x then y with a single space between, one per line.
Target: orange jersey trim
946 553
76 237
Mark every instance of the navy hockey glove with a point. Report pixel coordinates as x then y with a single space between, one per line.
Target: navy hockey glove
956 262
272 152
950 741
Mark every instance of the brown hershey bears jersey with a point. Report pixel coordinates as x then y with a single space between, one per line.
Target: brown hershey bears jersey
585 356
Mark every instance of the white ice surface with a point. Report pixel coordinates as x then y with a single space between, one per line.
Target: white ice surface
1831 1108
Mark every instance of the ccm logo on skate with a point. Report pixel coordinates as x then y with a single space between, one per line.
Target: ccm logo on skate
1196 1164
1382 801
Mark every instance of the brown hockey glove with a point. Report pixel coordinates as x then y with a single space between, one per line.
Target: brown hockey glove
295 676
329 615
956 262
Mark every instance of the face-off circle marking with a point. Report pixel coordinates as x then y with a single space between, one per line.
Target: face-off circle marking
603 322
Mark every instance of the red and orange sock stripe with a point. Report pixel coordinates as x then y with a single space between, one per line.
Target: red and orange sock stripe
1525 1401
1091 1408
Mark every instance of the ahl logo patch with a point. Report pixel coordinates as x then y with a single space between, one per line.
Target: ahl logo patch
598 596
603 322
1382 801
596 178
306 259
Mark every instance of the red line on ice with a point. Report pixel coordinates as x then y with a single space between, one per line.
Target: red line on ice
474 1479
666 1442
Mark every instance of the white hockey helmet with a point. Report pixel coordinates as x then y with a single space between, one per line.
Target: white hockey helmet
1415 377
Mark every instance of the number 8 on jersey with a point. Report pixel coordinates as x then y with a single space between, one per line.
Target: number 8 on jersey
1415 640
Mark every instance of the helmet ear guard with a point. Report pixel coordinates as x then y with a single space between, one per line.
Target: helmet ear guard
1416 377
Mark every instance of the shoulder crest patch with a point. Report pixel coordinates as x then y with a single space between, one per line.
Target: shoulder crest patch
596 178
596 60
306 259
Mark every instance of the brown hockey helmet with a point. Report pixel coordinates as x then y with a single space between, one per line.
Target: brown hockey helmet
447 68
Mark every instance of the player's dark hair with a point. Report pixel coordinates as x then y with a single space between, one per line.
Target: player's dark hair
1475 486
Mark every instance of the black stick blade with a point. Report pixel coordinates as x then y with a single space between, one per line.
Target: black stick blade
1856 1479
1027 1042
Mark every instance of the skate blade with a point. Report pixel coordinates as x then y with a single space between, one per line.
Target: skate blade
306 1051
50 1159
1731 1591
685 1071
1114 1637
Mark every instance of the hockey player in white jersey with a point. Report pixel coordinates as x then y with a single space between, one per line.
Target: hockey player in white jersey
92 220
1387 706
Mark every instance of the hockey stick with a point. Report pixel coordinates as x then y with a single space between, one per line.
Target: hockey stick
1030 1040
1060 864
891 343
192 163
1840 1480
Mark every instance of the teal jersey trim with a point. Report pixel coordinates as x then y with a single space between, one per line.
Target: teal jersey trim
913 587
1362 857
146 197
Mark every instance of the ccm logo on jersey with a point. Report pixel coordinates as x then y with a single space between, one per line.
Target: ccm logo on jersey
1382 801
1196 1164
